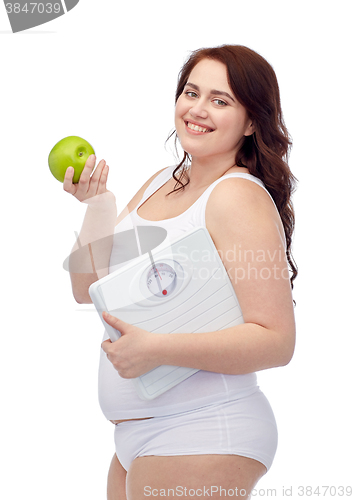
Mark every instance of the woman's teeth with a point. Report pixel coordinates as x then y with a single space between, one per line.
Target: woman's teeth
197 128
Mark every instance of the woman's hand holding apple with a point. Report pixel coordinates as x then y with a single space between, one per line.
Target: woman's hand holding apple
91 189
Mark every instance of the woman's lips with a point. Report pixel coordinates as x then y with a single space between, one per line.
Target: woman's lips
195 128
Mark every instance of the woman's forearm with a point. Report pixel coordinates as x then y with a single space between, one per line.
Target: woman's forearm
89 258
236 350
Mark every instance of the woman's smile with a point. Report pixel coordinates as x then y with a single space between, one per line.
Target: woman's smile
196 128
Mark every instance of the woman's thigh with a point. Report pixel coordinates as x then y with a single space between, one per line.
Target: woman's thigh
216 476
116 481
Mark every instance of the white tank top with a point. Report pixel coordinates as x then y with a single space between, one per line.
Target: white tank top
117 396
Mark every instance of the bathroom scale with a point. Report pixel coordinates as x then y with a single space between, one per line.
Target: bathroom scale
179 287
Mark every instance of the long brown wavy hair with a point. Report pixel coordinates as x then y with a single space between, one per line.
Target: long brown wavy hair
265 153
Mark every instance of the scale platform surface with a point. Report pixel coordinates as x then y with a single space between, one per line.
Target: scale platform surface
181 287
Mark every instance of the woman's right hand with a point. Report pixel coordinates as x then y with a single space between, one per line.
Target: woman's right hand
89 186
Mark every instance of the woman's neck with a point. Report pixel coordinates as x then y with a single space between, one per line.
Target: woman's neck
204 173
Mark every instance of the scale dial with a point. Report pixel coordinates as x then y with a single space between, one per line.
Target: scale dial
161 279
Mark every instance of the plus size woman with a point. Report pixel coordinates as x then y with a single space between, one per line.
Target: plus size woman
215 432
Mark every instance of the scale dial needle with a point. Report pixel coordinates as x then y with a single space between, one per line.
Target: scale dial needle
154 266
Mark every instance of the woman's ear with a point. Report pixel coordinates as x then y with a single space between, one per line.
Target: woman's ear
250 129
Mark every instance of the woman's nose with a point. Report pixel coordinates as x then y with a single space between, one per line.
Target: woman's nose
198 110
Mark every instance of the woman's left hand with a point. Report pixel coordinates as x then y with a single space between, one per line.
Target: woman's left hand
132 354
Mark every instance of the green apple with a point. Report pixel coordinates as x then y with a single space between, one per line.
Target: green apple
71 151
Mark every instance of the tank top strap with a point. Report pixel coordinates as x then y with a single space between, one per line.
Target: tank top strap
241 175
158 182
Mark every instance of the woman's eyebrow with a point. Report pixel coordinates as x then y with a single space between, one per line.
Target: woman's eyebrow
214 91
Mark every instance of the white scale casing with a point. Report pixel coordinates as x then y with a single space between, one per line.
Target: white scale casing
196 296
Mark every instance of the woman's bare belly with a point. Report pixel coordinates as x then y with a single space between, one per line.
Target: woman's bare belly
116 422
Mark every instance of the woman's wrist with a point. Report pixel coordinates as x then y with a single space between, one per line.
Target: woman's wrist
165 348
158 348
105 202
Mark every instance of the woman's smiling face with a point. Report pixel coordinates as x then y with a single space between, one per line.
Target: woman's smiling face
209 120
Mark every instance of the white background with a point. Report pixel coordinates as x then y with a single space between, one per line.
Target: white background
107 71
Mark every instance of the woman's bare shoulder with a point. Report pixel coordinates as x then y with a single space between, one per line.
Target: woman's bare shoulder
243 200
237 191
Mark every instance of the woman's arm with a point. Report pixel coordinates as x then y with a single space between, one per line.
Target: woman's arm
248 234
92 248
98 224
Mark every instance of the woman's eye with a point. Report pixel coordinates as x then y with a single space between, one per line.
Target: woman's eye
219 102
190 93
